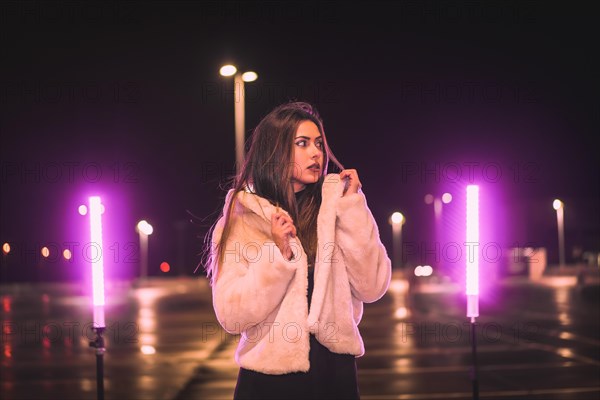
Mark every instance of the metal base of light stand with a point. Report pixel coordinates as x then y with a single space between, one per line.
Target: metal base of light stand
98 344
474 372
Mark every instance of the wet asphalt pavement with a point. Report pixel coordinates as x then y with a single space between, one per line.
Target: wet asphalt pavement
533 341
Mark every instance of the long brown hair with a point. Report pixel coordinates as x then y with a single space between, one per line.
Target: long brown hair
267 172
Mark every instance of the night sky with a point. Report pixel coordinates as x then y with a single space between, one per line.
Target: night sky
125 100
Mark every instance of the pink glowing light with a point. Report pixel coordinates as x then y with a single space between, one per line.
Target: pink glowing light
95 211
472 241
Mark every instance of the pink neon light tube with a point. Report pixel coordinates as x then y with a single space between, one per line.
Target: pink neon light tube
472 243
97 261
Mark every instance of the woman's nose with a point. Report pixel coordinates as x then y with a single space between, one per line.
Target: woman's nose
314 151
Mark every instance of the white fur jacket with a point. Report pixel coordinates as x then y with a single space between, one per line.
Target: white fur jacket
262 296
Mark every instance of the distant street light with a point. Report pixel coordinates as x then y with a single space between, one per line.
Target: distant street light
144 229
5 250
438 203
239 107
559 206
397 220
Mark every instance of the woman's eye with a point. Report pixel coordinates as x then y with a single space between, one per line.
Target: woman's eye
319 145
301 143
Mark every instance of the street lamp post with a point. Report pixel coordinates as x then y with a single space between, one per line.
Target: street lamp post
438 203
397 220
5 251
239 96
181 226
144 229
559 206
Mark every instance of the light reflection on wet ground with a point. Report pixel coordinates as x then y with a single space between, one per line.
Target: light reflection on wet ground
153 340
526 349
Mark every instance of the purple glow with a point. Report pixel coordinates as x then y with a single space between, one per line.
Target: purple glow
472 241
95 211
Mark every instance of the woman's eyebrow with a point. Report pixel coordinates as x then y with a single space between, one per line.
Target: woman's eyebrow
306 137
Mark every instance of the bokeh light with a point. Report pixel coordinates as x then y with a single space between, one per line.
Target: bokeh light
557 204
144 227
165 267
228 70
148 349
397 218
446 198
249 76
423 270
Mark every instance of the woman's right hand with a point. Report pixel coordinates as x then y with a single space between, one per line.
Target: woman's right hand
282 228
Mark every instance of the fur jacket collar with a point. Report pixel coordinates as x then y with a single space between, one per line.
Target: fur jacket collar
260 295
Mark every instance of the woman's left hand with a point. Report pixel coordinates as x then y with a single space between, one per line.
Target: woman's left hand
353 183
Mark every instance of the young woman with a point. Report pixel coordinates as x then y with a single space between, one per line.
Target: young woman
293 258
